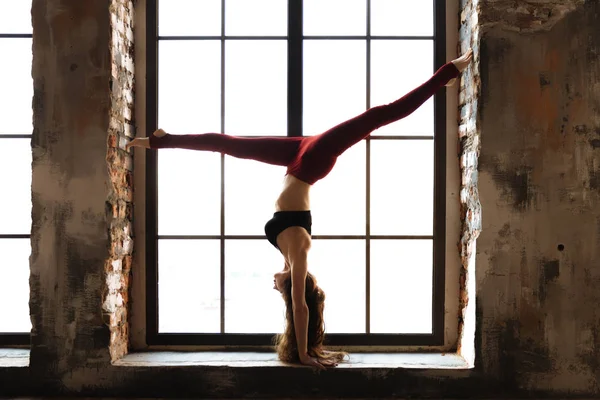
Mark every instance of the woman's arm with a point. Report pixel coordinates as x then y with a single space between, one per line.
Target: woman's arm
294 243
299 308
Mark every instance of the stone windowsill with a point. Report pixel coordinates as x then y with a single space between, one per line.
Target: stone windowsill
256 359
449 361
14 358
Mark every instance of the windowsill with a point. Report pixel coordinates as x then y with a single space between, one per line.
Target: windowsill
19 358
14 358
450 361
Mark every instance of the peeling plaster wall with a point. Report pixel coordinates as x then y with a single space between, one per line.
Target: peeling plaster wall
70 242
525 16
120 164
538 271
470 207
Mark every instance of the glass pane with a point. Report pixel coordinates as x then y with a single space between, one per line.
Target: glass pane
402 17
251 303
392 77
256 88
16 87
189 86
339 267
15 16
15 156
338 204
189 18
193 207
401 286
402 187
335 17
256 18
251 189
334 83
14 285
189 288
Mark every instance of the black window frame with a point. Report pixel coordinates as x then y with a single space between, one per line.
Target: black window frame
15 338
295 88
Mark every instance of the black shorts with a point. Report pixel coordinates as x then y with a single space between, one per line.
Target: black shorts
284 219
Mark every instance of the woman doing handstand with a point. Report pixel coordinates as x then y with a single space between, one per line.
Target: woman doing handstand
308 159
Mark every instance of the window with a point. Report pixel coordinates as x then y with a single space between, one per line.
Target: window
16 92
297 67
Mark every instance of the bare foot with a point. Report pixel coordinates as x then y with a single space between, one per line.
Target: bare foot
144 142
461 63
138 142
159 133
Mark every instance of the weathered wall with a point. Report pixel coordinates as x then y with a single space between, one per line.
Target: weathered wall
70 241
470 207
81 245
120 165
538 271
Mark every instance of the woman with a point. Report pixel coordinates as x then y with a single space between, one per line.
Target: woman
308 159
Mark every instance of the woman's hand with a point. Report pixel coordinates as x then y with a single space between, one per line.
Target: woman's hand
319 363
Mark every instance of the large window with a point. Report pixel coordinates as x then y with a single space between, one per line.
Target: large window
273 68
16 92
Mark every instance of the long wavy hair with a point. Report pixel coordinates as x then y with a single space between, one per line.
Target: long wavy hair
286 344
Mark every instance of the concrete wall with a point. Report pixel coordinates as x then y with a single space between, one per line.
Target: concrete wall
83 80
538 263
539 134
70 185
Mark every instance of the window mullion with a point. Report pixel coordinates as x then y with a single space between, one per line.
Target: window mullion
151 222
295 89
439 178
368 183
222 241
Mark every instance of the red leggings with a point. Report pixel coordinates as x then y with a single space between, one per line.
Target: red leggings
311 158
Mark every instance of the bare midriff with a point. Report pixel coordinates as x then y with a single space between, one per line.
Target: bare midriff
295 195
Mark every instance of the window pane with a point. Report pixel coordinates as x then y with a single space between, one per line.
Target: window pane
189 192
256 87
251 303
256 18
16 87
334 83
335 17
338 204
14 285
189 17
339 267
15 16
189 86
401 286
15 156
402 18
392 77
251 189
402 187
189 289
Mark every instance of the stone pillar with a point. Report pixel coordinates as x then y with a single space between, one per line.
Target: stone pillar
81 186
469 134
537 255
120 197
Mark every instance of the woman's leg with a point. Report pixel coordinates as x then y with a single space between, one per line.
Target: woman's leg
338 139
269 150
